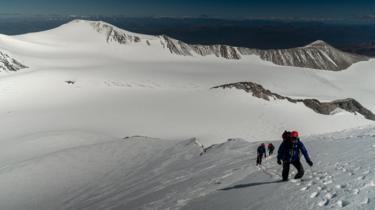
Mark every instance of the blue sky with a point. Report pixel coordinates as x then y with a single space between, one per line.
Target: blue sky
214 8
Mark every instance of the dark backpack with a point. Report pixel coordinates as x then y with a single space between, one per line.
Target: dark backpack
286 135
261 150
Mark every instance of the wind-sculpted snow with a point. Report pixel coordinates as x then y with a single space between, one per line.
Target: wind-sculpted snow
7 63
326 108
78 170
86 170
342 178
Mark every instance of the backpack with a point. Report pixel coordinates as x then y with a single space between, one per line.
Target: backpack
286 135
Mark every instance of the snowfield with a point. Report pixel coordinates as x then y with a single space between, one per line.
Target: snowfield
78 80
86 87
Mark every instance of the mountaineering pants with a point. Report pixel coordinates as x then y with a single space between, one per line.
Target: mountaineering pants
259 159
297 164
271 152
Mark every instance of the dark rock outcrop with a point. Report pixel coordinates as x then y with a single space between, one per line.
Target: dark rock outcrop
349 104
181 48
114 34
8 63
326 108
318 55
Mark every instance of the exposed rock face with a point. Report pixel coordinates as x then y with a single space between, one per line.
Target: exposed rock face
181 48
176 46
326 108
317 55
254 88
8 63
348 104
114 34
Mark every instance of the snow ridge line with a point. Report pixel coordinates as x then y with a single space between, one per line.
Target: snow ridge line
317 55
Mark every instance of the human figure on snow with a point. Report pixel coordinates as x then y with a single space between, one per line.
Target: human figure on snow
289 153
271 148
261 152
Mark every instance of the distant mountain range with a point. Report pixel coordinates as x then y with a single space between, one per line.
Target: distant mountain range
317 55
252 33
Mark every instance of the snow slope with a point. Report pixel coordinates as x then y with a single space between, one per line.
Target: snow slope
85 170
342 177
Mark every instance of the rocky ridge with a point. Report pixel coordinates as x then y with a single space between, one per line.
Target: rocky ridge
326 108
7 63
317 55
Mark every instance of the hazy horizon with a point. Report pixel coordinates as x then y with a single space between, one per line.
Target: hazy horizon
255 33
193 8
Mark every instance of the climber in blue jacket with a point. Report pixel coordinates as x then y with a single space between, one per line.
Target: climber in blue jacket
289 153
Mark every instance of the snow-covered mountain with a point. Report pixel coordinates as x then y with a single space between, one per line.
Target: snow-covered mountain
317 55
82 127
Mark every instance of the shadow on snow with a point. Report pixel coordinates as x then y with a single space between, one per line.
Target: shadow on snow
239 186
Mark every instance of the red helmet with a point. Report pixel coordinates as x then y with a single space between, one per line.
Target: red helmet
294 134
